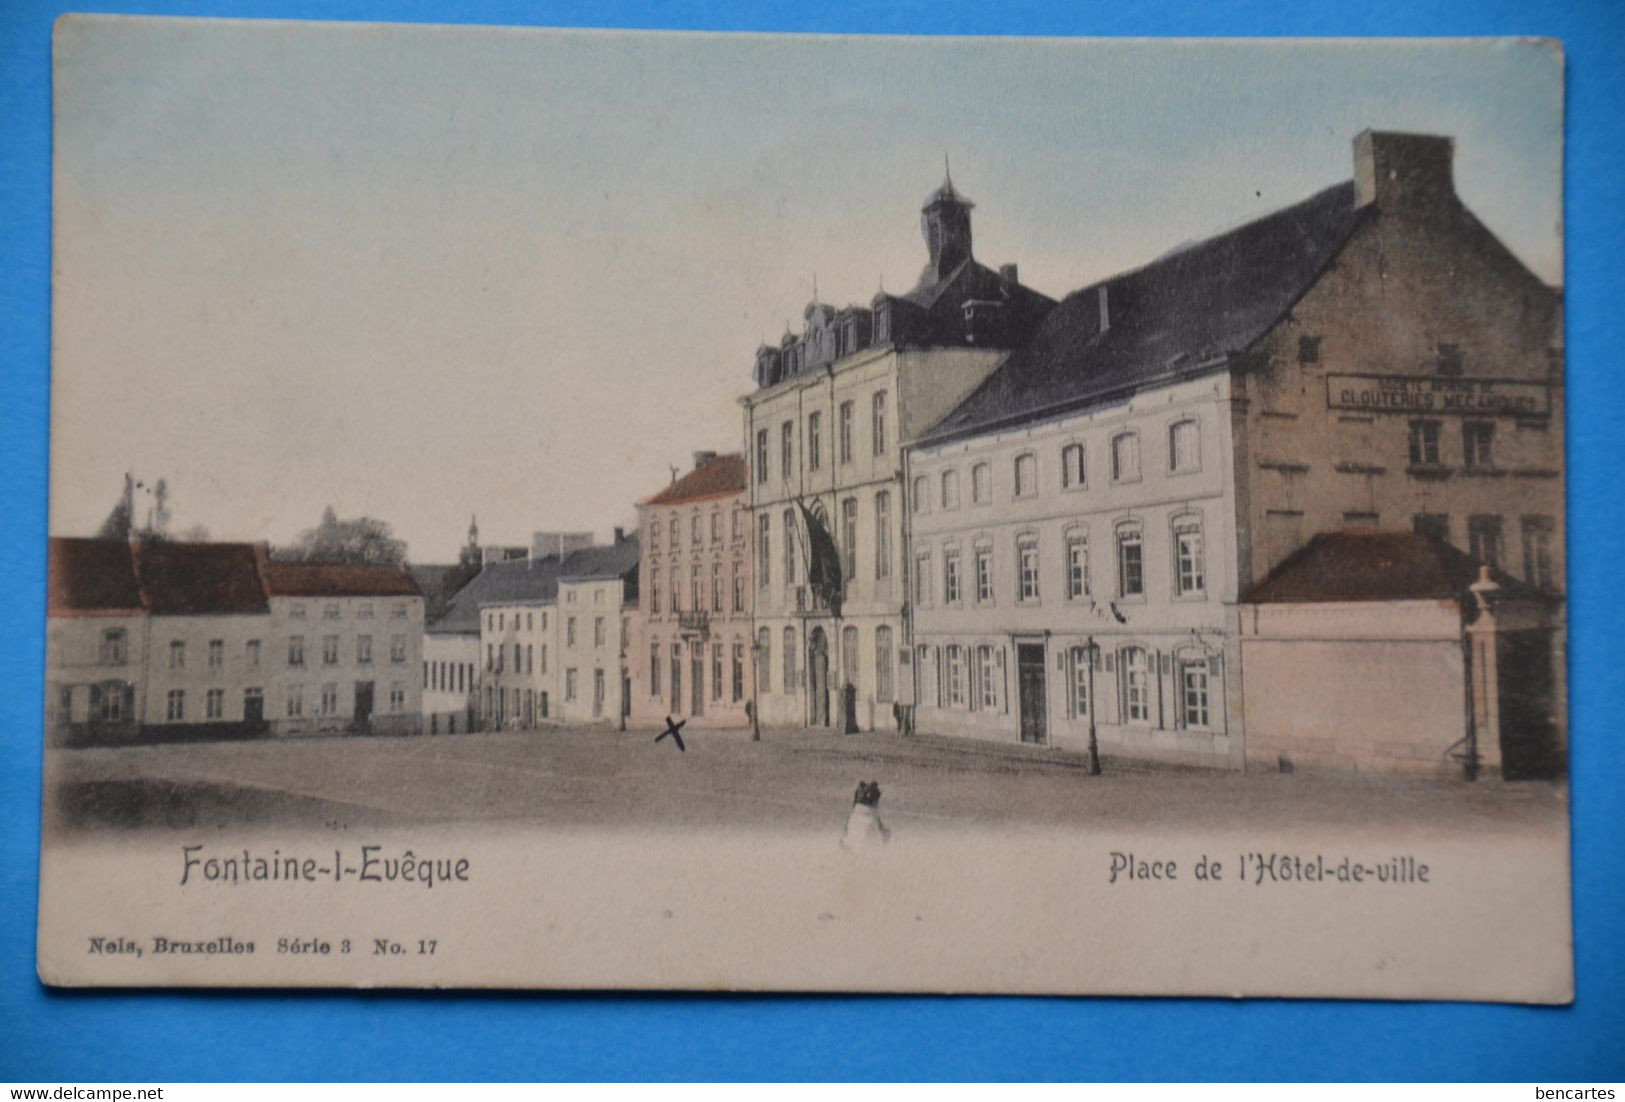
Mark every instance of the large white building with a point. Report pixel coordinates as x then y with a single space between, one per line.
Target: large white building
823 434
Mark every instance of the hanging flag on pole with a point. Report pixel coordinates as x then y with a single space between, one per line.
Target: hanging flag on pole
823 561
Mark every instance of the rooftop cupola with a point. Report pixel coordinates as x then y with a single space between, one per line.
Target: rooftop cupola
945 222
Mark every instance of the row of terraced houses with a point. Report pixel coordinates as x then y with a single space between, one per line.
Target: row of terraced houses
1292 494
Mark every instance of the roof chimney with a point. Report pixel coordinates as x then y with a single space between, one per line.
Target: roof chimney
702 458
1402 171
1105 309
620 534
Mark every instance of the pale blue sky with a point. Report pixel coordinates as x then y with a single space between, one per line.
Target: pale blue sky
425 272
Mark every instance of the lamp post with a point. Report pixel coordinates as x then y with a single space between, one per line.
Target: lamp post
1094 741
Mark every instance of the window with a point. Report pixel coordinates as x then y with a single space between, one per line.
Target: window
694 529
115 647
846 432
296 650
815 441
988 680
1537 551
738 577
922 493
1026 475
1125 457
597 693
849 540
1309 350
954 675
175 706
789 681
598 631
738 672
877 422
569 684
787 450
1077 567
1449 359
253 702
330 610
922 579
1027 562
883 665
674 530
177 655
761 466
363 611
397 698
789 548
734 529
716 671
1072 470
251 655
1189 569
1130 562
882 535
716 586
981 484
716 526
1424 443
1478 440
570 631
1436 525
1136 686
950 577
654 591
1077 682
764 659
984 575
950 489
214 704
676 588
764 555
296 612
1484 539
330 650
849 656
330 700
398 611
654 537
217 653
696 589
1194 691
363 649
654 668
1184 447
295 701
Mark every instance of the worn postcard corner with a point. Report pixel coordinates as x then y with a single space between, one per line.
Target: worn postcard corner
711 512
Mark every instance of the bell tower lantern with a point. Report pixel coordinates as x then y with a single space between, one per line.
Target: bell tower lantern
945 222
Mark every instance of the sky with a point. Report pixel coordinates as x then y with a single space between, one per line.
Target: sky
423 274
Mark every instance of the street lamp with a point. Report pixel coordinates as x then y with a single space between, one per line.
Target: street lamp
1094 741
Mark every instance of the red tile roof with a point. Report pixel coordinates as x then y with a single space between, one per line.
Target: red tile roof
189 579
1365 564
724 475
91 576
320 579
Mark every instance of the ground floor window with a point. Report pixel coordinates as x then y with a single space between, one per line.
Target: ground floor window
1194 689
654 668
175 710
764 659
569 684
716 671
397 699
1077 663
597 693
214 704
883 665
1136 686
955 676
987 675
738 672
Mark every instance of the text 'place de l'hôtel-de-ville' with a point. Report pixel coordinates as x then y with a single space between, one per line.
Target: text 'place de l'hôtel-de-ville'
1288 496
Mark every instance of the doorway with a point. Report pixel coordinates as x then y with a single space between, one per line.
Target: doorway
363 705
1030 685
818 678
697 682
676 679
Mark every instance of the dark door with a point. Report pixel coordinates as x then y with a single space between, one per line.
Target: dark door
1030 681
697 682
363 704
254 708
818 679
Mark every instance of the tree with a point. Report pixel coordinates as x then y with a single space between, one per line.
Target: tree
118 523
361 540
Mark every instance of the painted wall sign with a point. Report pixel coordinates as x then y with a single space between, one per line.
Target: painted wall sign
1437 394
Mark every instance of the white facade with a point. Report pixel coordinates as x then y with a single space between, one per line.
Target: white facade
451 670
1112 527
345 664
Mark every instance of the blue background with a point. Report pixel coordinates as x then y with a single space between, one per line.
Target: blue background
146 1036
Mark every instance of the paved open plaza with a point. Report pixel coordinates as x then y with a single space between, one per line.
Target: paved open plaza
791 780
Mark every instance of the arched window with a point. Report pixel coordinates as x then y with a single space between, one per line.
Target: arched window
922 493
954 676
1194 692
789 548
1072 469
849 655
789 659
1190 568
1136 686
1130 561
981 484
883 665
1126 457
950 489
1026 474
1184 446
764 659
1078 682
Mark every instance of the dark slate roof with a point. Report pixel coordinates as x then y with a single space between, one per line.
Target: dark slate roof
1182 313
514 582
1365 564
616 560
439 584
723 475
85 575
332 579
933 312
200 579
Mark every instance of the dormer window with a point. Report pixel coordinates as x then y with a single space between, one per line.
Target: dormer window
882 323
1449 359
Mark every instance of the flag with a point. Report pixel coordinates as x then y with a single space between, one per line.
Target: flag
823 561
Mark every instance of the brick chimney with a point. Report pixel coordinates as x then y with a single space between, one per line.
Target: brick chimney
1402 172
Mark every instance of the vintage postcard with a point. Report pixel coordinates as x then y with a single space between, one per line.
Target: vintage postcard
575 509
